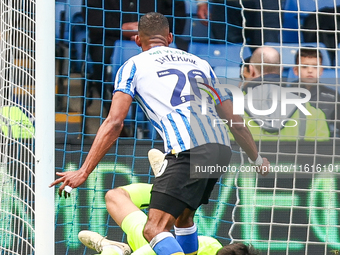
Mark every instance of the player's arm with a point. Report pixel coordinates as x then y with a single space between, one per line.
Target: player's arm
106 136
241 133
109 131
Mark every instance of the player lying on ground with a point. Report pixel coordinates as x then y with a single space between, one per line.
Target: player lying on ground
125 207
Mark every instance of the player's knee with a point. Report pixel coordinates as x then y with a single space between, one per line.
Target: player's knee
150 231
186 219
156 225
114 196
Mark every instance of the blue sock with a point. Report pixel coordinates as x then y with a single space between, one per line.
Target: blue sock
187 239
165 244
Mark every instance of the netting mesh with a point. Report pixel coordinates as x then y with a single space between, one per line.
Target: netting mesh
293 211
17 46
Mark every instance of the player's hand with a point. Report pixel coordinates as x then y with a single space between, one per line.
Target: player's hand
264 168
202 13
72 179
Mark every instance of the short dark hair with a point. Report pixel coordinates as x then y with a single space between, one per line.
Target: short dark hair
246 63
238 249
307 53
153 23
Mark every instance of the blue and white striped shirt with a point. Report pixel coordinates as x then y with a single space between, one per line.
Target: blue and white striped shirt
160 81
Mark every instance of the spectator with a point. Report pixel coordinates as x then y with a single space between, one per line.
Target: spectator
265 81
308 68
105 20
266 18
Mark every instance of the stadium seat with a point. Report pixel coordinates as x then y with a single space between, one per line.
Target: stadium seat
308 5
220 54
288 51
227 71
328 73
290 19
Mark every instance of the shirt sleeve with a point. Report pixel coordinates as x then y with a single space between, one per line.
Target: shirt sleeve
125 78
221 93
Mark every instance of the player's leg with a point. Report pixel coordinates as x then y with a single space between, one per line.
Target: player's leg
157 232
185 228
167 203
208 245
123 204
186 232
124 200
100 244
201 187
115 199
182 229
139 194
131 219
160 222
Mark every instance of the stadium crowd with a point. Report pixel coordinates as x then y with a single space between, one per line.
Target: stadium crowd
110 22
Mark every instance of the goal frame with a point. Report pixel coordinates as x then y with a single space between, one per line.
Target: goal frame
45 127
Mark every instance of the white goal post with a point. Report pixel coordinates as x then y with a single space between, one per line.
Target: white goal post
45 129
27 70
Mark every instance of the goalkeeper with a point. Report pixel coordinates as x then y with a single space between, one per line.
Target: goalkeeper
124 204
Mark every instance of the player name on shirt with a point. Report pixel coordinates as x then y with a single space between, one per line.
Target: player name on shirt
168 58
173 56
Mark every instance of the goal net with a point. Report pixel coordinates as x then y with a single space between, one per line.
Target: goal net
22 193
295 209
